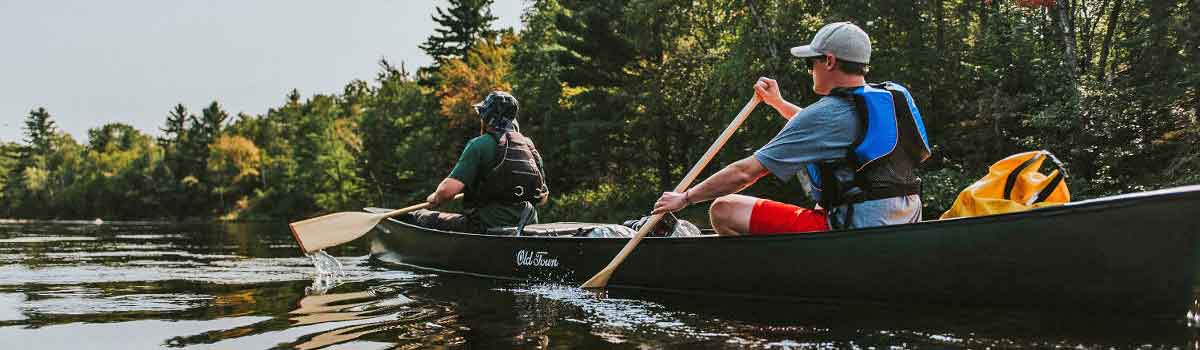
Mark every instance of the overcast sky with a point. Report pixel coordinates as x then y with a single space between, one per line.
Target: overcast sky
94 62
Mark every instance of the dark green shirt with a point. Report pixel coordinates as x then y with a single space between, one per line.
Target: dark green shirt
477 158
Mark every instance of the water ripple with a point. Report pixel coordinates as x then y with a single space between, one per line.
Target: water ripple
242 286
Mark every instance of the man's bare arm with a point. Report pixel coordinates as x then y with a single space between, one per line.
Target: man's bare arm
731 179
445 191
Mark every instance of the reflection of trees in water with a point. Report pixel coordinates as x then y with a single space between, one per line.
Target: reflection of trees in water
414 323
537 317
412 330
378 313
226 301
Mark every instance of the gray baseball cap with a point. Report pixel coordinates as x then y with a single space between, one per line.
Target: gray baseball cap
843 40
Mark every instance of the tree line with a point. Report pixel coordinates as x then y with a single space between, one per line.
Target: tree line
621 97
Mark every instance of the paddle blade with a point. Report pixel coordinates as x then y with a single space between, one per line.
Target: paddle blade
600 280
333 229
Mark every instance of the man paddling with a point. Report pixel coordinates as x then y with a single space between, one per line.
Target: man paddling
500 172
854 151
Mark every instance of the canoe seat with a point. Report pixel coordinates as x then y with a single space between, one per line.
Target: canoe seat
568 229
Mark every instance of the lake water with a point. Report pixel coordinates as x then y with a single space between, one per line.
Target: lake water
247 286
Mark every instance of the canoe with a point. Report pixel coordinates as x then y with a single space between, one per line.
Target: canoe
1131 254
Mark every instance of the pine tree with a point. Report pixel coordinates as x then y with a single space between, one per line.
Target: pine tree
169 174
39 129
30 184
176 126
211 122
200 134
113 137
463 23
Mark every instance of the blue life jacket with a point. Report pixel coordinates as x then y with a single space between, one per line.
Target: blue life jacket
882 161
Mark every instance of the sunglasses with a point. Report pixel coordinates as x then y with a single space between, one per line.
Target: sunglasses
811 62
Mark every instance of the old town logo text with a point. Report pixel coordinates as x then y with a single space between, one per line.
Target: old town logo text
538 259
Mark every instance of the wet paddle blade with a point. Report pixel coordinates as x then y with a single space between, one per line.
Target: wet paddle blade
337 228
333 229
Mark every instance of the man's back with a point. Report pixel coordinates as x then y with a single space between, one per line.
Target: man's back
825 131
475 163
816 146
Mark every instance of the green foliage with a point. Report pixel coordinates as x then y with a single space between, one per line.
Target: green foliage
234 162
604 203
9 154
325 149
622 96
465 82
463 23
405 153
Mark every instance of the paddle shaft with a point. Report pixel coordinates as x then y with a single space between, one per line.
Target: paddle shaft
407 209
601 278
413 207
337 228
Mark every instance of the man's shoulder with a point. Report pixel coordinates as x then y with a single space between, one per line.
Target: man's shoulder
830 103
487 138
484 141
829 110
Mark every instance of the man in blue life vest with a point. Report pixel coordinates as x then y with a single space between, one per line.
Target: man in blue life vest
854 151
500 173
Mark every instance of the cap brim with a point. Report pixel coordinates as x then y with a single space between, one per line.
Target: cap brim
804 51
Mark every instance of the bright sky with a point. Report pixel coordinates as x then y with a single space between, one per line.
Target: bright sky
92 62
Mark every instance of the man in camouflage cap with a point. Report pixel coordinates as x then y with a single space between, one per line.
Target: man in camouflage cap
499 172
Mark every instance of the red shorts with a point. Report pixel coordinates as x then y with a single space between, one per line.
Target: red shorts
771 217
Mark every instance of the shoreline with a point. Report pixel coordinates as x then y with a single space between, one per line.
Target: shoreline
126 222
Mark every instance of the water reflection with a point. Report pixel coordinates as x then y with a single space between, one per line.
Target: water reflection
377 314
383 310
244 287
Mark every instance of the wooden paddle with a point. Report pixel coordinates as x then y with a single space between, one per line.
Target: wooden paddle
326 231
601 278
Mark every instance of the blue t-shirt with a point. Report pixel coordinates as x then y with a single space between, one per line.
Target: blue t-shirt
826 130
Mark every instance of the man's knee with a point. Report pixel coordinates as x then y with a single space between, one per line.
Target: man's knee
732 206
420 217
440 220
731 214
721 207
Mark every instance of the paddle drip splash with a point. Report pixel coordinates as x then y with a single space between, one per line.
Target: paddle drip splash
329 273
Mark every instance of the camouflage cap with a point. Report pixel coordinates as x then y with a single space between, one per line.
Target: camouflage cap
498 109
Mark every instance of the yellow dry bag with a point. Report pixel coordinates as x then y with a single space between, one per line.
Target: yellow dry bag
1011 185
